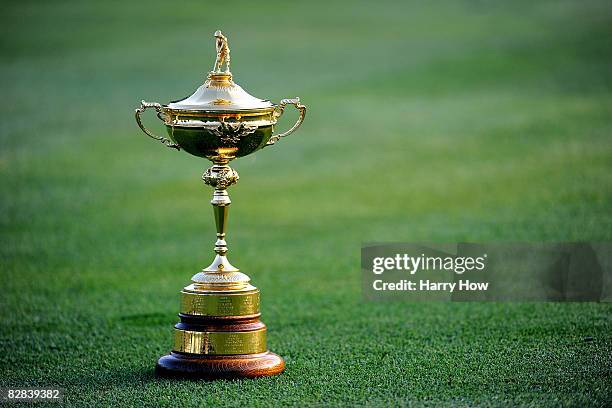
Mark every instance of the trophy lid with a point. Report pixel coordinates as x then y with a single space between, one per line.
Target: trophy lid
219 92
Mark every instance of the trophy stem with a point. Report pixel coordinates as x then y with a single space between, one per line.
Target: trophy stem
221 274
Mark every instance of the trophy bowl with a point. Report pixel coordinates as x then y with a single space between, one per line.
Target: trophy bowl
220 334
220 121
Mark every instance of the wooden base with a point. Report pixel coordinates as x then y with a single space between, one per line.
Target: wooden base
219 336
210 367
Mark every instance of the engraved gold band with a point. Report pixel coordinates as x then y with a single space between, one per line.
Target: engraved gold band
220 343
220 304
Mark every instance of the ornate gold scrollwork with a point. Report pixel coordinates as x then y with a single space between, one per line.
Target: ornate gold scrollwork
220 177
230 132
143 106
279 111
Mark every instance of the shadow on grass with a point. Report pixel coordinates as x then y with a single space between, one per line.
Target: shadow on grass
131 377
148 319
116 377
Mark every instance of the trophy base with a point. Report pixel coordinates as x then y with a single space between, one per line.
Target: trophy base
211 367
219 336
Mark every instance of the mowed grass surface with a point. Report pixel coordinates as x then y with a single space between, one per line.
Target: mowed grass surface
445 121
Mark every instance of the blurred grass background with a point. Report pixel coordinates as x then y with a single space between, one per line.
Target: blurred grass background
438 121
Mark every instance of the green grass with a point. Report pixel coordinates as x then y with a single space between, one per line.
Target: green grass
435 121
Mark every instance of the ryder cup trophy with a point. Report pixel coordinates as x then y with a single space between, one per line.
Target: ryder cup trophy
219 334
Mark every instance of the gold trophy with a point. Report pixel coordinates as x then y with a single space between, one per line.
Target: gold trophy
219 334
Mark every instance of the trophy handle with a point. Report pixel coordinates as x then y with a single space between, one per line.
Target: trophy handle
279 111
143 106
